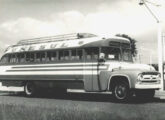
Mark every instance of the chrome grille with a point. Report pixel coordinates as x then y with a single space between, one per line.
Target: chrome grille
150 78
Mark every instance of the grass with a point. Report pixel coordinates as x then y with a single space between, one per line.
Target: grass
16 112
22 108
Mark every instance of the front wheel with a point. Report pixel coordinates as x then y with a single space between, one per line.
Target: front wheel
29 89
121 91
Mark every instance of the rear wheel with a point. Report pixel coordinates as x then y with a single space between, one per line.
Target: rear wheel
29 89
121 91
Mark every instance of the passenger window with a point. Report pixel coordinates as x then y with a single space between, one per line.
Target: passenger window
79 54
54 56
43 56
61 57
5 59
32 57
27 57
38 57
13 58
21 57
88 53
51 56
73 54
66 55
48 57
91 53
111 53
95 53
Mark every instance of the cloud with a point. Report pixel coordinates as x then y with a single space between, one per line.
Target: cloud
120 17
24 28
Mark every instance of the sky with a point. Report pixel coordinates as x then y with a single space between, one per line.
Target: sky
23 19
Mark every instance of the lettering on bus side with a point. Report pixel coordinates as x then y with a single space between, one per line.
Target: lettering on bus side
8 49
22 49
64 45
31 48
53 46
42 47
14 49
80 42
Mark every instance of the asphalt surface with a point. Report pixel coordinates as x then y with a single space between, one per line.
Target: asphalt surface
92 106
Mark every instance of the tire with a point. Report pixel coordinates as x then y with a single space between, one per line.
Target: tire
29 89
121 91
145 94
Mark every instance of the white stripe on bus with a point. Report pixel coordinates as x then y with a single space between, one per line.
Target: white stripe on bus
56 64
82 72
61 68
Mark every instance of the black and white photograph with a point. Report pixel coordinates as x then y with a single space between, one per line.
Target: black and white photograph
82 59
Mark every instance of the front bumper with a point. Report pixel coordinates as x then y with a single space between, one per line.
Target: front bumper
147 86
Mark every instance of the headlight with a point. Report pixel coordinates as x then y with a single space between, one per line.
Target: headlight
159 76
140 77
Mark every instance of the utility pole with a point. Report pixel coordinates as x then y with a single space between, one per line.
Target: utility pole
160 41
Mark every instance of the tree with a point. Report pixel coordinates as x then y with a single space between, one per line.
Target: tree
132 41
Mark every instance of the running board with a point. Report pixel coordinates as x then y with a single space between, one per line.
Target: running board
83 91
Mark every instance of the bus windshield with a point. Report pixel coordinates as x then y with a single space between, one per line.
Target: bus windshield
111 53
127 55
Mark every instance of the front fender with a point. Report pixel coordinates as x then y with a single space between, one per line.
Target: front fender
106 77
119 75
131 76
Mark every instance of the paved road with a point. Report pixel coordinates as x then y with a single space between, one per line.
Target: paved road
78 106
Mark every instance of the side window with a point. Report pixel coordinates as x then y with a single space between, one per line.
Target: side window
95 53
43 56
80 54
5 59
88 54
54 56
48 57
30 57
66 55
21 57
38 57
61 57
91 53
111 53
73 55
13 58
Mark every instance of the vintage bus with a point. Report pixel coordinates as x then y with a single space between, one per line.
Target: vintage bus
77 61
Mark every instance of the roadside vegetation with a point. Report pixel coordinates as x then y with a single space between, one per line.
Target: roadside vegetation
81 107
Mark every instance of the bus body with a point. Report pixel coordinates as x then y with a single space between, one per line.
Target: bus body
77 61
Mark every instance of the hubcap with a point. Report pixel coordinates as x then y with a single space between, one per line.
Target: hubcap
29 88
120 91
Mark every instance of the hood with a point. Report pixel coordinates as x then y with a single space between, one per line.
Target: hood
131 66
137 66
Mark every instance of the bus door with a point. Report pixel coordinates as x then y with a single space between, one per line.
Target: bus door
91 69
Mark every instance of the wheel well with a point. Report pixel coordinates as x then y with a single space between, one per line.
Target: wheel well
27 81
117 79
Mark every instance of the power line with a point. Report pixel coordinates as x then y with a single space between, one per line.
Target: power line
143 2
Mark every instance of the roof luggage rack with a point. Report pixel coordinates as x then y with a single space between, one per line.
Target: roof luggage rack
56 38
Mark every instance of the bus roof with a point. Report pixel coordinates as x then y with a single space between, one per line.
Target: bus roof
77 40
